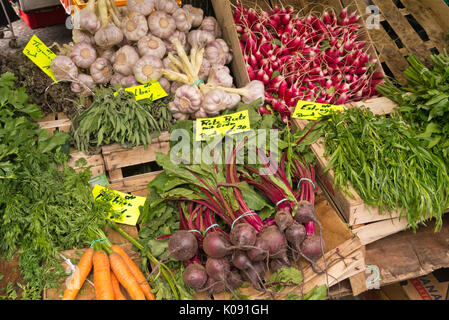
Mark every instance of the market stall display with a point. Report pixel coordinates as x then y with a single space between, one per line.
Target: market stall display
225 150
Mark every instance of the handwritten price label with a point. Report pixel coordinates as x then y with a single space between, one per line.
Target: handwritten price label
152 90
126 206
314 110
227 124
40 54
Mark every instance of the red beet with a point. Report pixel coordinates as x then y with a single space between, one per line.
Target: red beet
182 245
312 247
216 245
283 219
243 234
195 276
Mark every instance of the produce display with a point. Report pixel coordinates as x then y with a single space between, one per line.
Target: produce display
239 209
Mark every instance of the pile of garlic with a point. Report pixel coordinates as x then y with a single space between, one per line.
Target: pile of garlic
154 40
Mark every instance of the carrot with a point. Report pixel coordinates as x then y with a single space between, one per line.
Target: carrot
79 276
125 277
102 276
116 286
135 270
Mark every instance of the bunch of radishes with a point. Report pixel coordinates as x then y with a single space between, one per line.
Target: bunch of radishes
153 40
312 58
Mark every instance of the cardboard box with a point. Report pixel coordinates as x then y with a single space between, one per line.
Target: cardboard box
427 288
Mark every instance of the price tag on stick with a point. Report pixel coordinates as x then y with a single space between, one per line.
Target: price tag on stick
314 110
40 54
227 124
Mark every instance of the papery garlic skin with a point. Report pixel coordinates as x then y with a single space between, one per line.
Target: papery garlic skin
84 85
108 36
125 59
210 24
144 7
201 113
205 68
253 91
108 53
161 24
217 52
79 35
101 71
188 99
168 6
197 14
147 69
174 86
64 68
182 19
165 84
220 75
151 45
199 38
215 101
83 54
134 26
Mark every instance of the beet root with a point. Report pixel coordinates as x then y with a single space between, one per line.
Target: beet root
216 245
305 212
312 247
195 276
234 279
260 250
243 234
295 234
275 239
283 219
183 245
275 264
218 268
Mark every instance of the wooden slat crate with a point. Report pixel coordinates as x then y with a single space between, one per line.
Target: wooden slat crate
60 122
406 26
366 221
116 158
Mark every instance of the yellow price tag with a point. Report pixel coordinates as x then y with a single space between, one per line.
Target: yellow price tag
126 206
314 110
227 124
152 90
40 54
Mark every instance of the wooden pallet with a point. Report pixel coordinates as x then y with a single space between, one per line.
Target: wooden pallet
60 122
116 159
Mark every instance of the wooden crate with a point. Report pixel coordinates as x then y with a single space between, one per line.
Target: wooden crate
116 159
344 256
365 221
60 122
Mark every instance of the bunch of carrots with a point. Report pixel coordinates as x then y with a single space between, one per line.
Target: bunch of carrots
112 270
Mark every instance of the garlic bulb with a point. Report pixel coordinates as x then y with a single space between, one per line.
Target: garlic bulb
216 100
165 84
182 19
101 71
217 52
180 116
253 91
83 54
210 24
86 19
188 99
64 68
161 24
151 45
179 35
144 7
197 15
134 26
220 75
108 36
199 38
129 81
125 59
168 6
84 85
148 68
201 113
174 86
109 54
203 74
80 35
